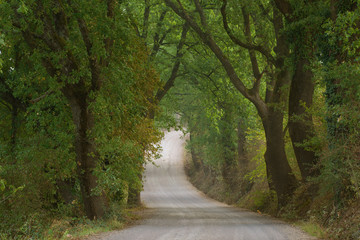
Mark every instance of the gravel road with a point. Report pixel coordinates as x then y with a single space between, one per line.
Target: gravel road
177 211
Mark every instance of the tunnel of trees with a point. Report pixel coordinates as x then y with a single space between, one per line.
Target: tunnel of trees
266 90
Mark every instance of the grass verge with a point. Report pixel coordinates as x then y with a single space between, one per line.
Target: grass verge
76 229
312 228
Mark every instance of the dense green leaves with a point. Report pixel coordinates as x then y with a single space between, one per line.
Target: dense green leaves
81 82
76 87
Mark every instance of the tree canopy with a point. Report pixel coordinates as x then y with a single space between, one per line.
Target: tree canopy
86 87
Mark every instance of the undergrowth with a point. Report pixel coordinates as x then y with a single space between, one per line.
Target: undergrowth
257 197
72 228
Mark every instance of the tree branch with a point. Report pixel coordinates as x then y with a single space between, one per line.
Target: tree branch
201 14
264 11
237 41
146 20
8 97
284 7
179 53
253 59
207 38
108 41
4 103
47 93
157 41
94 65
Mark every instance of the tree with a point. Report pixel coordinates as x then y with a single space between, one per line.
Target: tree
163 40
269 109
303 25
339 53
82 50
209 106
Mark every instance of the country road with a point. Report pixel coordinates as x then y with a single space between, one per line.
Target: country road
177 211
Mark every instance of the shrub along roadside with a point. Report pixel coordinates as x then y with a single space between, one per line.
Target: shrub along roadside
318 216
41 226
254 196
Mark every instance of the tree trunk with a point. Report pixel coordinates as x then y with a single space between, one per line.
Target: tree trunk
94 205
194 155
279 173
14 129
301 126
228 148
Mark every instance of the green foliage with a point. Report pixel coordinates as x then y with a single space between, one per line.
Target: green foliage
40 176
340 171
7 191
262 199
312 228
210 108
256 139
48 48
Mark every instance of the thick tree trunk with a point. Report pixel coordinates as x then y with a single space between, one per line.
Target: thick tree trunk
279 173
14 105
301 126
94 204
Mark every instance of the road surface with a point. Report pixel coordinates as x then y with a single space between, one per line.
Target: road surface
177 211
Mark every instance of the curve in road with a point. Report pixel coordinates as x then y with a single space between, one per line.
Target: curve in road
180 212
